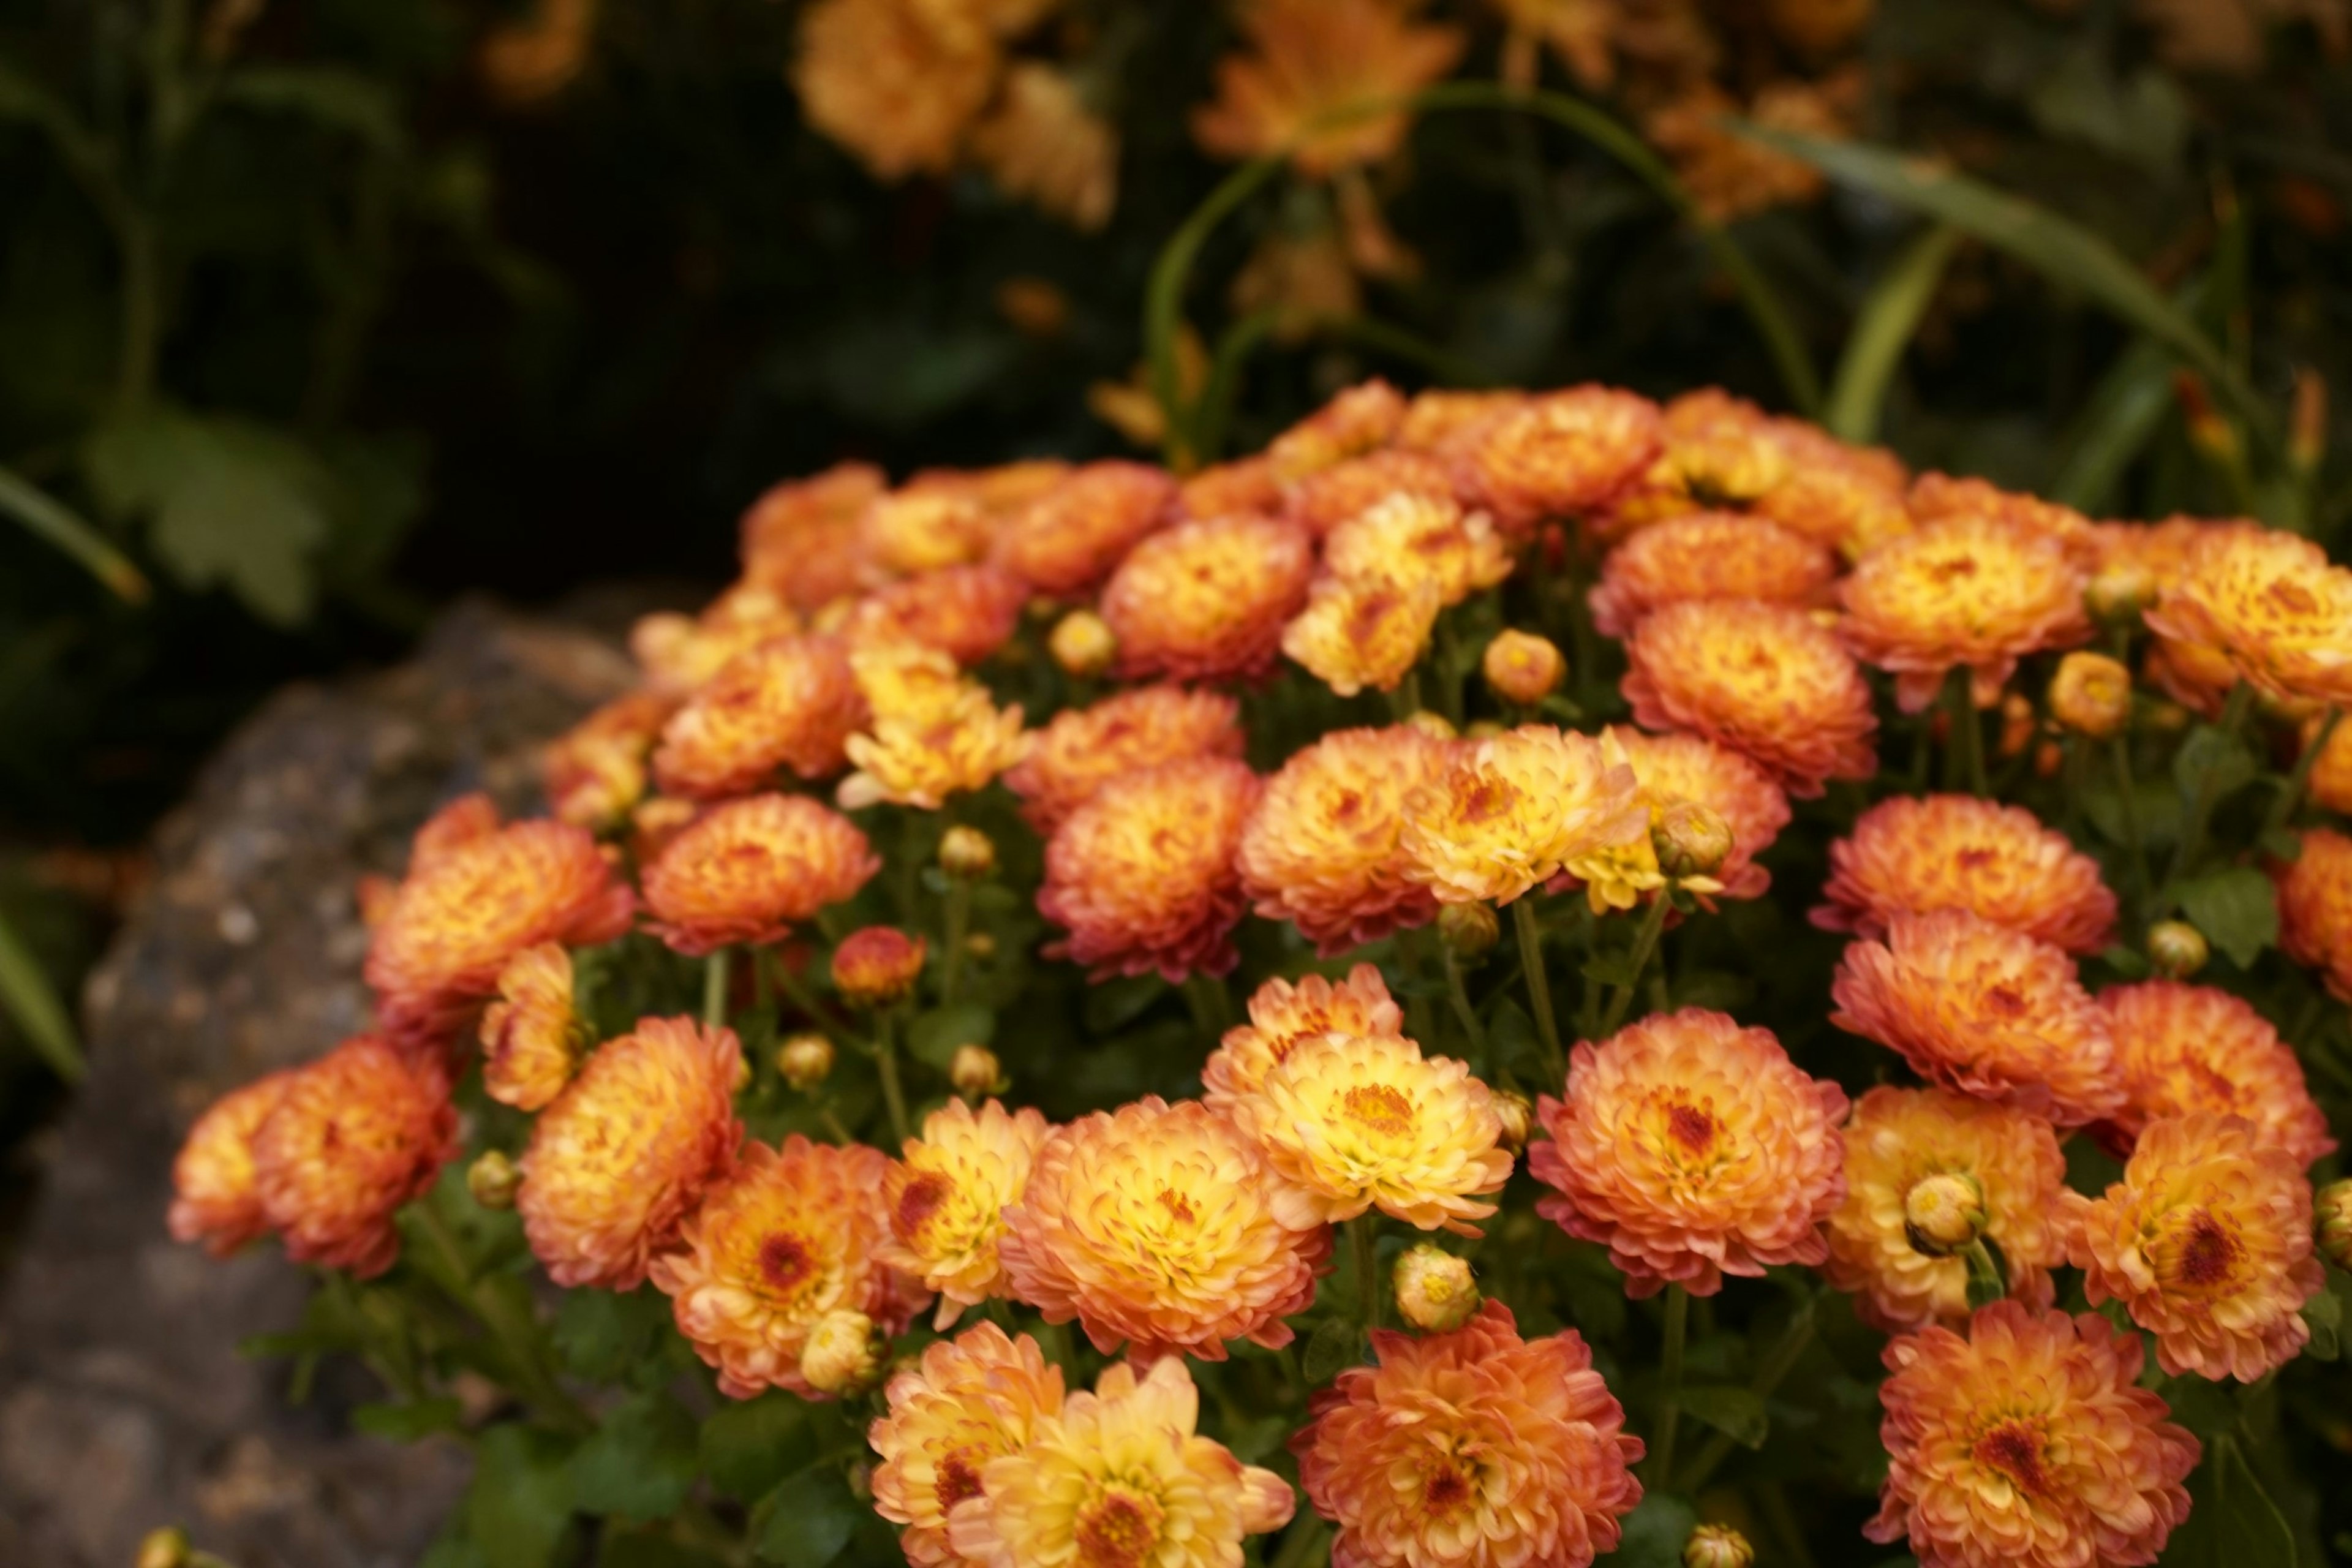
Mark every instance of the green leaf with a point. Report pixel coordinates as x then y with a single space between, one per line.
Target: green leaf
2159 809
2236 908
648 1548
1117 1003
52 521
29 998
2232 1523
934 1037
809 1520
641 1461
601 1334
1655 1532
749 1446
332 96
2123 415
1875 347
1513 1035
2324 1315
408 1423
2212 759
1737 1413
519 1506
1335 1344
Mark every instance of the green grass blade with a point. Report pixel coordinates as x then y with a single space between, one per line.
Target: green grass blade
1857 399
52 521
1164 301
29 998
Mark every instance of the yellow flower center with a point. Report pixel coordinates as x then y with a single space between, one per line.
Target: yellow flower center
1378 1109
1119 1529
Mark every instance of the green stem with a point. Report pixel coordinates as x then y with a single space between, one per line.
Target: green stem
1466 1013
1670 1387
1206 997
2201 808
886 1068
1777 1362
809 1002
1363 1241
1523 922
1964 760
1305 1545
1986 1282
2282 808
2128 807
959 928
714 990
1406 700
517 1339
1645 942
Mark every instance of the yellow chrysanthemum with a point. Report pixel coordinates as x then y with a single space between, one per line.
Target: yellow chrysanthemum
2314 904
1143 874
1617 875
1411 538
932 732
1083 748
2273 605
1206 600
1899 1138
895 82
356 1135
946 1199
965 1402
1152 1226
1914 854
1844 497
1669 770
790 703
1964 590
747 871
919 529
1069 539
1324 849
1504 814
2207 1241
595 772
1361 632
1310 64
531 1036
1557 456
1691 1148
215 1197
1283 1013
2180 1049
1707 555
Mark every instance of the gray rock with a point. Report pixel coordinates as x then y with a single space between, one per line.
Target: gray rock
123 1403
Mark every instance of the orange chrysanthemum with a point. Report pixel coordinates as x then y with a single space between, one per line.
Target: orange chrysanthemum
1910 855
595 772
2180 1049
1899 1138
1411 539
2315 905
1691 1148
2206 1242
1440 419
2028 1445
1935 497
800 537
1326 498
1143 874
896 83
1222 489
1671 769
1964 590
965 611
1504 814
1083 748
1153 1227
1474 1449
946 1199
965 1402
1707 555
1718 451
1206 600
787 704
791 1235
678 653
1069 539
1767 680
1358 421
2273 605
531 1036
1361 632
919 529
1985 1010
1313 67
215 1196
1046 144
1844 497
930 731
1557 456
356 1134
476 895
1281 1015
625 1152
1121 1480
1325 847
745 872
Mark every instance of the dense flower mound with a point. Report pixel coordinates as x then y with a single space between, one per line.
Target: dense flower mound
1914 855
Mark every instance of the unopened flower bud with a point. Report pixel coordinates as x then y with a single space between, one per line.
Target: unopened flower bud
980 944
861 1481
804 1061
975 1072
1469 931
2306 445
877 966
164 1548
1434 725
1517 1114
1717 1546
1691 840
1434 1291
2016 724
2331 1207
2177 949
492 1179
1944 1214
2091 695
2119 591
1082 644
967 853
1521 667
844 1353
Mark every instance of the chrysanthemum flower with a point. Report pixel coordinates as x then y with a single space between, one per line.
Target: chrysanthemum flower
1044 144
1718 451
1844 497
1143 874
920 529
787 704
531 1036
790 1235
1766 680
965 611
1410 539
2314 904
1324 849
1355 422
1072 757
1309 63
1359 632
1899 1138
745 872
931 733
1984 1010
894 82
1283 1015
215 1197
1473 1449
800 537
1504 814
1964 590
2180 1049
1557 456
1206 600
1617 875
1152 1226
1439 420
678 653
946 1199
1707 555
1222 489
1326 498
1691 1148
1910 855
473 898
1351 1122
1069 539
1671 769
2273 605
2029 1444
1119 1478
1935 497
626 1152
597 770
2207 1241
965 1402
355 1135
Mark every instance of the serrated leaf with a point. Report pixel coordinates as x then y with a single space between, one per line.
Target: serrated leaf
519 1506
2236 908
1655 1532
934 1037
601 1334
1737 1412
1335 1344
408 1423
640 1463
747 1447
808 1519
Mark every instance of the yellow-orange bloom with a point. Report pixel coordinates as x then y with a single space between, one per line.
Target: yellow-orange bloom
1282 1015
1899 1138
1557 456
1671 769
1221 490
1473 1449
931 733
531 1036
1504 814
789 1236
1206 600
625 1152
895 82
215 1197
2181 1048
946 1199
965 1402
965 611
2207 1241
1356 422
1934 497
1311 62
1326 498
354 1136
1764 680
1985 1010
1411 538
1707 555
1143 874
920 528
2315 905
800 537
1911 855
1439 420
1324 849
1359 632
1083 748
1152 1226
596 771
1846 498
1069 539
747 871
1719 451
1691 1148
1044 144
1119 1478
2029 1444
1964 590
678 653
790 703
2273 605
1351 1122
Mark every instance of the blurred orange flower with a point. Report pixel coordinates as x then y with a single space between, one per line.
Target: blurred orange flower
215 1198
1083 748
745 872
1313 68
1206 600
1964 590
353 1137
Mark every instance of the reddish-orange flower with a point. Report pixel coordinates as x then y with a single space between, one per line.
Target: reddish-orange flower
747 871
964 1403
1281 1015
1143 874
2180 1049
1206 600
1222 489
596 771
1326 498
215 1198
1967 590
678 653
965 611
1766 680
1847 498
2314 904
787 704
354 1136
1069 539
1324 849
1356 421
1557 456
1707 555
1310 64
1912 854
1083 748
799 537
